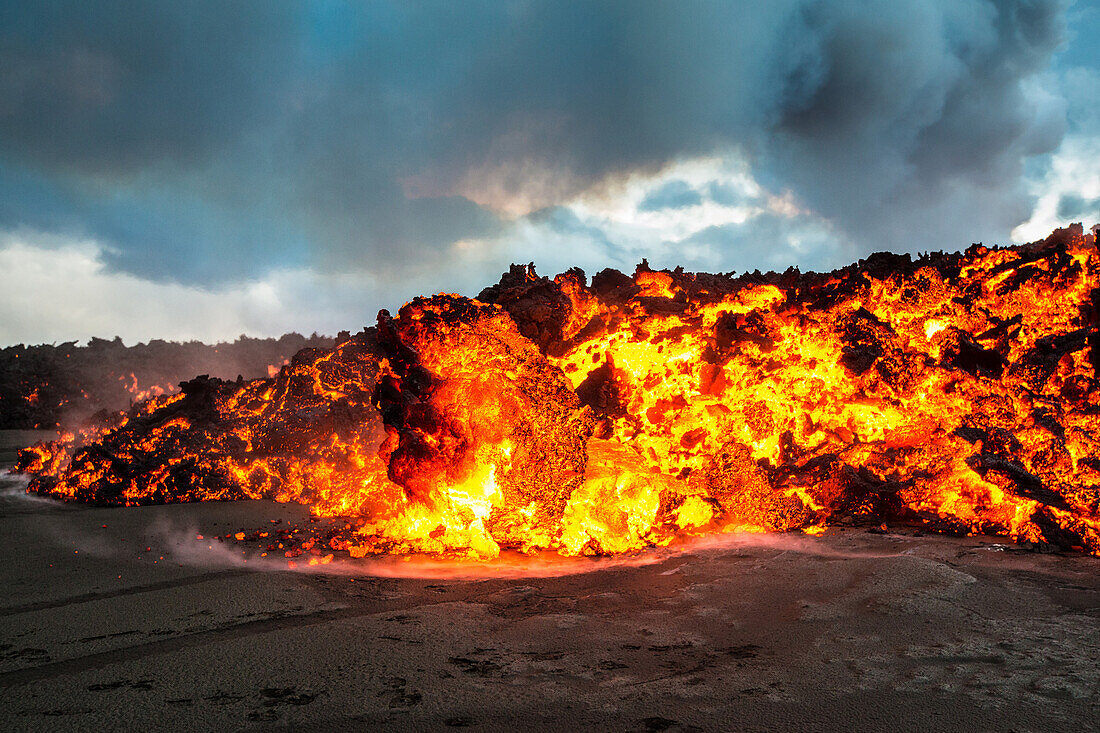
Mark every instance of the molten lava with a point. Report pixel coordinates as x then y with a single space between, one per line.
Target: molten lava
958 391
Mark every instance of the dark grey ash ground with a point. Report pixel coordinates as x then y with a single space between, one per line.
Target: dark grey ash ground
849 631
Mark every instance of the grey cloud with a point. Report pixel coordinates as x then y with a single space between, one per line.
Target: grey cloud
293 129
725 195
110 88
919 112
766 242
672 195
1072 207
562 220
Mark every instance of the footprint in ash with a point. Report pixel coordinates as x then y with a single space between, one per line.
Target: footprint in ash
657 723
398 694
273 698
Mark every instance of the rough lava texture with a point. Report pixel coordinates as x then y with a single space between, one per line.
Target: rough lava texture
956 390
464 382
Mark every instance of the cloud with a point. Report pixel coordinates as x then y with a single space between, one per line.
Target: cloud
1072 206
118 88
916 125
768 241
722 194
746 228
58 289
207 144
1066 186
1067 191
672 195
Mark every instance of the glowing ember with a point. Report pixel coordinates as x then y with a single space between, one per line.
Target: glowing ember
958 391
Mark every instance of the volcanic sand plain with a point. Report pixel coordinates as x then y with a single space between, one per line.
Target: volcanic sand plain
122 618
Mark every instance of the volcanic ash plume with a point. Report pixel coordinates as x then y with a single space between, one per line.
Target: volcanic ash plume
958 391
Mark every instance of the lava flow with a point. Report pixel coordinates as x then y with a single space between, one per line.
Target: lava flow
957 391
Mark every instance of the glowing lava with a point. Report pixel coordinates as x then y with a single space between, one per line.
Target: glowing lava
957 390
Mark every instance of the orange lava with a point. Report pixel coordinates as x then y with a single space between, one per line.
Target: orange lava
958 391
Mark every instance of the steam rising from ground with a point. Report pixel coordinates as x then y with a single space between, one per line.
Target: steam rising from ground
176 539
13 488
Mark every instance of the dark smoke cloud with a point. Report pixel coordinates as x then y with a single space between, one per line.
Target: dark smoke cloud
916 128
214 141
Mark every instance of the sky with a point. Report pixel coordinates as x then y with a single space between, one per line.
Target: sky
199 170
